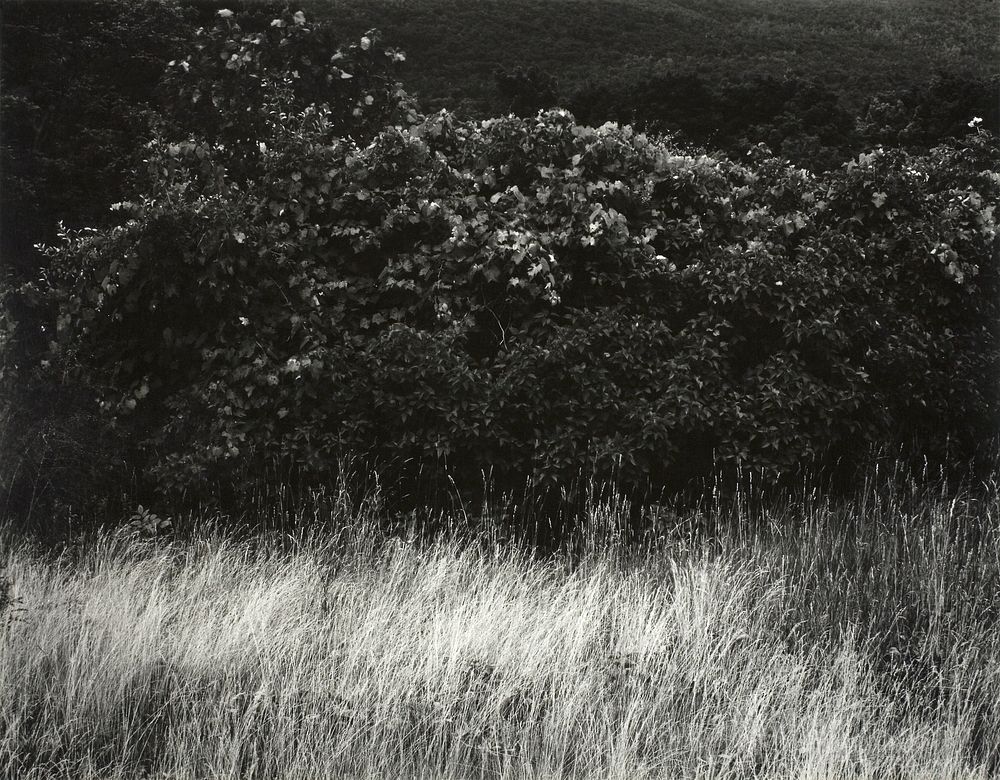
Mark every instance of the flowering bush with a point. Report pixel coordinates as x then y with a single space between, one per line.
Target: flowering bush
304 276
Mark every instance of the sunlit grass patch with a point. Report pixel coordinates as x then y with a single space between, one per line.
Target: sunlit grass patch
830 643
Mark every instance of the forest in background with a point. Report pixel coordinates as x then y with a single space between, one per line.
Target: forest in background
854 48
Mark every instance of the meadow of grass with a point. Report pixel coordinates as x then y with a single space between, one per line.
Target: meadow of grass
809 640
857 48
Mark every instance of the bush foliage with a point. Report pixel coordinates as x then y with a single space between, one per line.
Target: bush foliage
309 266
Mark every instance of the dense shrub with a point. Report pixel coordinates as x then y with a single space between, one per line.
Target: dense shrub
523 294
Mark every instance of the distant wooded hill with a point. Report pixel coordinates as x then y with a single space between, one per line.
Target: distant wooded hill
854 47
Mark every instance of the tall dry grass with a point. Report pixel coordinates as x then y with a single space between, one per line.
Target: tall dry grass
811 641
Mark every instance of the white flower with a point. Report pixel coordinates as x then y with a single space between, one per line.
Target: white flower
366 43
299 18
976 121
225 13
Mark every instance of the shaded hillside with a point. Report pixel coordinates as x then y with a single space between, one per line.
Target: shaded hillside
856 47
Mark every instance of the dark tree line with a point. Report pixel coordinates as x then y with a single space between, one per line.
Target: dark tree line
804 121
